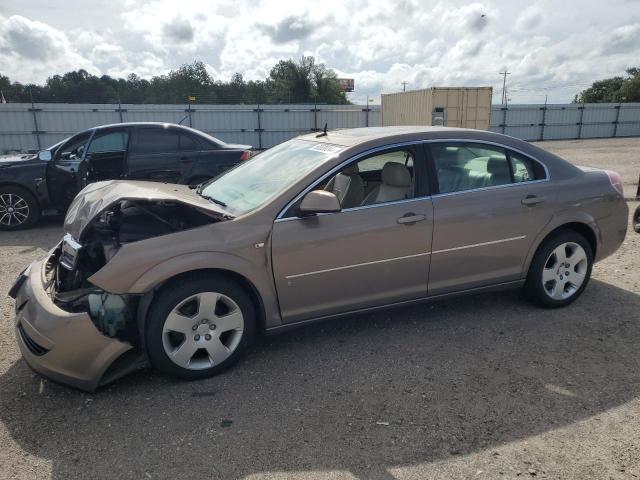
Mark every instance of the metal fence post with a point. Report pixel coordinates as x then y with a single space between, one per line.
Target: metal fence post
544 118
315 117
504 119
580 121
259 129
120 110
36 130
615 123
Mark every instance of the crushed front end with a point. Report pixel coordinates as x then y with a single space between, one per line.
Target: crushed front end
69 329
61 340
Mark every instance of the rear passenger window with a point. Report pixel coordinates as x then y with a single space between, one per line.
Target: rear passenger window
467 166
109 142
188 143
525 169
156 140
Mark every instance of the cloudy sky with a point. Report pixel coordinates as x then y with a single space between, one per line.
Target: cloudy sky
552 48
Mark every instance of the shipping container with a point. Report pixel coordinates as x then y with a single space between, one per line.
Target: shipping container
466 107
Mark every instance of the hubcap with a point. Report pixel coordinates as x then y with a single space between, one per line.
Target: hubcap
202 331
14 209
565 271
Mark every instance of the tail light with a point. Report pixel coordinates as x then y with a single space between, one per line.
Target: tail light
616 181
246 155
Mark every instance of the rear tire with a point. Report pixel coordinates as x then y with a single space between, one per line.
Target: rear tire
199 325
636 220
560 270
19 209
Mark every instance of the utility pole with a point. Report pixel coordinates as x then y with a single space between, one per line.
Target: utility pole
504 85
404 86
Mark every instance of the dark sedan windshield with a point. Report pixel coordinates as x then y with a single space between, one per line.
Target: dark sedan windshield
255 182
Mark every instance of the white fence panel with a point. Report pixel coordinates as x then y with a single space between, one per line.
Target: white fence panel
27 127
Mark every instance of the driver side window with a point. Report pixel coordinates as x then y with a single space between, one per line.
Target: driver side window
379 178
73 149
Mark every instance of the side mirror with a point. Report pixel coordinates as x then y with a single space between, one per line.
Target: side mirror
44 155
319 201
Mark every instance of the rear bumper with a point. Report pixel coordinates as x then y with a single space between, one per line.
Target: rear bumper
612 229
64 346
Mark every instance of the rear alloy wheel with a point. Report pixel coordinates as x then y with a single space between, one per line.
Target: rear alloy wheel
560 270
18 208
564 271
199 327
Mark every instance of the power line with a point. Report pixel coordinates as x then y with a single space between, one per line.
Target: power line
404 86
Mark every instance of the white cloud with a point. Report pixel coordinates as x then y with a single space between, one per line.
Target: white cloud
553 48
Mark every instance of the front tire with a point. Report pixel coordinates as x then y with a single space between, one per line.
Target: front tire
199 326
19 209
560 270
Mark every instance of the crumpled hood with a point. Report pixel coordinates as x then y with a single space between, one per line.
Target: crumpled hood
97 197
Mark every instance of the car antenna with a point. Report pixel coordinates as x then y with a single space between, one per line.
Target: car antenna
324 132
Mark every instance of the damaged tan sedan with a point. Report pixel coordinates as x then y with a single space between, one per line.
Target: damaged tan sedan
318 227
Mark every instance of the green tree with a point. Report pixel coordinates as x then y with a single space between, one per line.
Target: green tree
304 81
615 89
288 82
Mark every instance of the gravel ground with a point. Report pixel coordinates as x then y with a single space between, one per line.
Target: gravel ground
484 386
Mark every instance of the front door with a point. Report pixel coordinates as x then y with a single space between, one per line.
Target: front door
62 170
373 252
491 205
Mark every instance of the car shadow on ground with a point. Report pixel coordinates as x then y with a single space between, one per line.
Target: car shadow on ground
361 395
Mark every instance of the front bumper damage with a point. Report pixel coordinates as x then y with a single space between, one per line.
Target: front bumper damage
65 346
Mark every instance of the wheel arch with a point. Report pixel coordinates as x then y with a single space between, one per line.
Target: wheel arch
240 279
31 191
587 229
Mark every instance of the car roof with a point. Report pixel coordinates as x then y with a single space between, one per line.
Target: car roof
160 124
349 137
361 139
142 124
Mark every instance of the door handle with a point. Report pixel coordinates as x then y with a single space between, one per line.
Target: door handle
184 159
411 218
531 200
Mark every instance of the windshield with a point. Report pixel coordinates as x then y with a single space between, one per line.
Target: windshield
251 184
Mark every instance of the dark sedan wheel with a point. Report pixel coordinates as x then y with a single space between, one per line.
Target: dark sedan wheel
199 326
636 220
18 208
560 270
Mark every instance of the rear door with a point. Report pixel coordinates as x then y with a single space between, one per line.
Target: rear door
492 203
366 255
155 154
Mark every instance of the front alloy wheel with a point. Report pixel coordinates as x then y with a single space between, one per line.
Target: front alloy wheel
203 331
198 325
18 208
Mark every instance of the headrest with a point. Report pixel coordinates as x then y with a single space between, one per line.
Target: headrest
497 165
396 175
351 169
